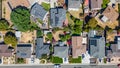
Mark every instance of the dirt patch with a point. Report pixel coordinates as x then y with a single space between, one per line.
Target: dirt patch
28 37
56 35
76 14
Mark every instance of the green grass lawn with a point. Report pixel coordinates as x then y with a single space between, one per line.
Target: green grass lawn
75 60
56 60
105 2
46 6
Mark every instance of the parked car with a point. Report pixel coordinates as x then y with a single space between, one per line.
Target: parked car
57 66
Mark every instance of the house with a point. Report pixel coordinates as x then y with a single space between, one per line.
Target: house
61 51
95 4
78 46
13 3
5 51
23 50
41 48
96 47
74 4
38 12
109 14
114 52
57 17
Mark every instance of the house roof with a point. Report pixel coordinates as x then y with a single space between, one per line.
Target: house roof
37 11
61 51
74 3
41 48
115 49
77 47
91 33
110 13
5 51
14 3
23 50
57 17
97 47
95 4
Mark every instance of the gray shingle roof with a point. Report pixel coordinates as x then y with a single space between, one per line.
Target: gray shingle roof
115 50
37 11
41 48
61 51
23 50
97 47
74 3
57 17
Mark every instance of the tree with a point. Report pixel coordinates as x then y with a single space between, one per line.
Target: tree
49 36
3 25
92 23
20 17
65 37
10 38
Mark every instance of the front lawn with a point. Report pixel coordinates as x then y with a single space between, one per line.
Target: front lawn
56 60
45 6
75 60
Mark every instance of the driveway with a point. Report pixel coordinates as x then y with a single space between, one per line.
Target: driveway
86 59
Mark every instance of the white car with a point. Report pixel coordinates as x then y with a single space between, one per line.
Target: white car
57 66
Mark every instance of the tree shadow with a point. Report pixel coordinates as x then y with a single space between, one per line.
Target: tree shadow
10 33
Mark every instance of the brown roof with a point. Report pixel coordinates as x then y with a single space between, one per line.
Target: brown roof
15 3
77 47
95 4
110 13
4 51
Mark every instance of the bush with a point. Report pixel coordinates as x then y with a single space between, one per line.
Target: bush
10 38
49 36
45 6
3 25
39 33
20 60
57 60
105 2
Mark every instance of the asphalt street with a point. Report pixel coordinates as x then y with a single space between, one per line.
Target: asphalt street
62 66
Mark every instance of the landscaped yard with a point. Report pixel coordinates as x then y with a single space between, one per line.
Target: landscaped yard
75 60
46 6
56 60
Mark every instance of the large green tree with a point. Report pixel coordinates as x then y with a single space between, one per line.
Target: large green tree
10 38
20 17
3 25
